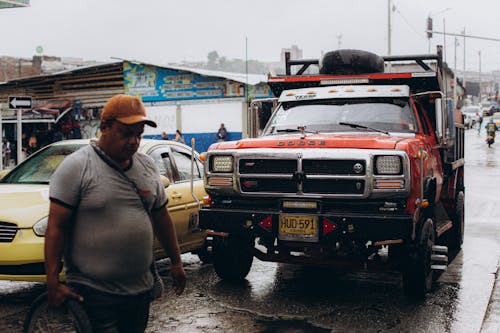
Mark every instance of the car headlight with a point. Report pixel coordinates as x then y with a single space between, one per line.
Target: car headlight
388 165
223 163
41 227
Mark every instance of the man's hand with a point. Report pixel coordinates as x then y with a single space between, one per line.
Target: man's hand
60 292
178 278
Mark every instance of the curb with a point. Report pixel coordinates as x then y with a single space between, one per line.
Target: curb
491 321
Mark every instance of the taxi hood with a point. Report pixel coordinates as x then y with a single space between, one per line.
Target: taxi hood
23 204
366 141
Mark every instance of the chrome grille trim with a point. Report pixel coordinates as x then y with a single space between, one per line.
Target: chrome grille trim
7 232
344 178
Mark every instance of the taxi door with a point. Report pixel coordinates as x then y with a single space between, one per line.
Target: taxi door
192 237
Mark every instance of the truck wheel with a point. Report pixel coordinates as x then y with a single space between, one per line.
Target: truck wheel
233 257
418 276
457 231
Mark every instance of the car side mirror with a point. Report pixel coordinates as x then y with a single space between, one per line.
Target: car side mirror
165 181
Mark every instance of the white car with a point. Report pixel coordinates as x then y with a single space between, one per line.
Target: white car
471 115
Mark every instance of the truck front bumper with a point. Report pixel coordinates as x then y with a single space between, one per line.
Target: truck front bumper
354 226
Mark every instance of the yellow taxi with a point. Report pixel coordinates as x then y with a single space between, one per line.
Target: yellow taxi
496 118
24 204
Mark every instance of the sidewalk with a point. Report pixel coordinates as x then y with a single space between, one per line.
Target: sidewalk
491 321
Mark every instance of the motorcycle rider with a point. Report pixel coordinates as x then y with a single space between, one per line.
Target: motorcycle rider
491 128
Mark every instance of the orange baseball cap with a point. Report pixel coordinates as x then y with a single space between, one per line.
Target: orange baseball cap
127 110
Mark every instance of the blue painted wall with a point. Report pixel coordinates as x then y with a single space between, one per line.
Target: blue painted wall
203 140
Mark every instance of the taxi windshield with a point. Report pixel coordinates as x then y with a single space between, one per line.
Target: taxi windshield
367 114
38 168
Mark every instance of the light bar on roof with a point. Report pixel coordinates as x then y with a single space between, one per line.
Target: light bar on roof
329 82
423 74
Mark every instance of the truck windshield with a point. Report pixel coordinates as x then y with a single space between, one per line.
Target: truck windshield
383 114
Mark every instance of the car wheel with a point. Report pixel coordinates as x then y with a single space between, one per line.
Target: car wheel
233 256
418 276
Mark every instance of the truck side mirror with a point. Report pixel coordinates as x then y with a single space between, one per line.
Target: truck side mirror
259 113
440 126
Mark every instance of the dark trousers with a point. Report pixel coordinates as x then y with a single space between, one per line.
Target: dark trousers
110 313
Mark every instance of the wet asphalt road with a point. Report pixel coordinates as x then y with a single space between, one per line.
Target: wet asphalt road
288 298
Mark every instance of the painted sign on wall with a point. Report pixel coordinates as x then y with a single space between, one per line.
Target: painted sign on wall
163 84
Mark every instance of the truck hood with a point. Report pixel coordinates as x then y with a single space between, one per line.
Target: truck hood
370 141
23 204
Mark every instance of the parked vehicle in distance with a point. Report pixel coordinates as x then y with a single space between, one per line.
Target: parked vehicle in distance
24 204
471 115
496 118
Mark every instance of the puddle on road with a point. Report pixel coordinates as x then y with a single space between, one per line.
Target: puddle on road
290 326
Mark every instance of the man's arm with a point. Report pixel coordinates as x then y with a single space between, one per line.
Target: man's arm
59 217
165 232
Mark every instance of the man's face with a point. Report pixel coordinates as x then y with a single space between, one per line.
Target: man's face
121 141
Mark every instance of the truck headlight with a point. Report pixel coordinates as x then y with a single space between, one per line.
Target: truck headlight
222 163
41 227
388 165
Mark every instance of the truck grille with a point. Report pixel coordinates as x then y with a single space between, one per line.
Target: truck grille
7 232
309 176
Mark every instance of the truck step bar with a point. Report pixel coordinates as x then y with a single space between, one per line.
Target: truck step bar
439 258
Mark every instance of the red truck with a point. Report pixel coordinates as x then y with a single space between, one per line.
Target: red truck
360 164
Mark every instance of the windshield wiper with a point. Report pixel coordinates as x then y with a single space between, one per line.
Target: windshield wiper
299 129
353 125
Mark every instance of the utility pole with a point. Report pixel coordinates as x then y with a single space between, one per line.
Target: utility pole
455 81
463 78
388 27
480 95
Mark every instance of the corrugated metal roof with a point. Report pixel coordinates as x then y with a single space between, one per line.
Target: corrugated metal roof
251 79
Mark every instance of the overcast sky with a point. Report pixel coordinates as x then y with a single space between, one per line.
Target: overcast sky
161 31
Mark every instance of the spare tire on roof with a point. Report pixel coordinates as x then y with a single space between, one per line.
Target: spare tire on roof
342 62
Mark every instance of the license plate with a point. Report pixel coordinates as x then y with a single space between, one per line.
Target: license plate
298 228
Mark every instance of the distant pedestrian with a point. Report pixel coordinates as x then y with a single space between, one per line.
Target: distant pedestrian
164 136
221 133
179 137
480 122
6 152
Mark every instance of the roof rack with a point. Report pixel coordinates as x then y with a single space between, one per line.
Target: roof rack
429 79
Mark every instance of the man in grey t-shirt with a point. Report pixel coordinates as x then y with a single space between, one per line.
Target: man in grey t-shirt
103 223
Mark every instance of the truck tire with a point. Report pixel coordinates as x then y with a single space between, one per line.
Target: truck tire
418 277
233 256
457 231
341 62
42 317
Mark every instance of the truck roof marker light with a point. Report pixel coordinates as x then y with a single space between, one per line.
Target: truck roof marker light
290 94
396 89
332 90
203 156
267 223
328 226
349 90
331 82
372 89
311 92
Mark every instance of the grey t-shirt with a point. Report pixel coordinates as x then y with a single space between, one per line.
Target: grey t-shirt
110 240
